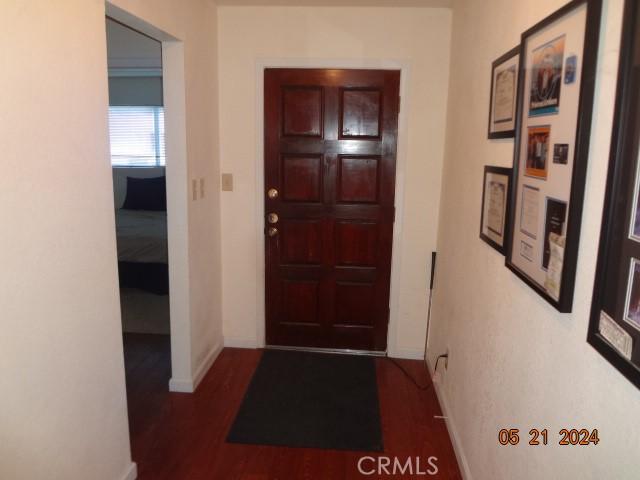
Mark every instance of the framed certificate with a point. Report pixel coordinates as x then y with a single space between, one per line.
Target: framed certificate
504 89
614 327
555 93
495 206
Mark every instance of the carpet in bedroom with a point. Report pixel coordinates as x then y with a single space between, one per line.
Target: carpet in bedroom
144 312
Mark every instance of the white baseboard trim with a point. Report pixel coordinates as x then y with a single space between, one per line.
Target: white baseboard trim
190 385
237 342
206 363
178 385
453 431
406 353
131 472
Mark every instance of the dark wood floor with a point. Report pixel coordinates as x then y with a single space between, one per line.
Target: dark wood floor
182 436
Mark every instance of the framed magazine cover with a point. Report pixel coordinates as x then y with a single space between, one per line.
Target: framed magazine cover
614 327
558 59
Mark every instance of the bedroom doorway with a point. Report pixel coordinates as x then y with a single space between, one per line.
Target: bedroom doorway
138 161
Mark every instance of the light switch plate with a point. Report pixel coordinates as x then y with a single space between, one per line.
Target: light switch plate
227 182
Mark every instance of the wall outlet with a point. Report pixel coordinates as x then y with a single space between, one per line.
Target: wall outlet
194 189
227 182
202 187
446 359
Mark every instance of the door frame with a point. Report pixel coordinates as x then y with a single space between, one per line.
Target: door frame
401 153
183 376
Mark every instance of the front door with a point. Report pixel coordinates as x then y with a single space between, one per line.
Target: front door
330 162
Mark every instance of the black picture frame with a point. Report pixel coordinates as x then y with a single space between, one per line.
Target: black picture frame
617 248
489 169
497 63
564 300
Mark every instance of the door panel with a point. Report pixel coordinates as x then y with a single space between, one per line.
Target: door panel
358 179
360 113
302 111
301 242
302 178
330 153
300 301
356 243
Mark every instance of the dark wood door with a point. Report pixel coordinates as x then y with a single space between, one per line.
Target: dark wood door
330 161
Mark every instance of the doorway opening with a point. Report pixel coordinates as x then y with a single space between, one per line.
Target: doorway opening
138 161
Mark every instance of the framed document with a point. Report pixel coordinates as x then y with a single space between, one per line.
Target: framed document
614 327
495 206
504 88
555 93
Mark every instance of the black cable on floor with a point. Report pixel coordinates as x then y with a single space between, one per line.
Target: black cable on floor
410 377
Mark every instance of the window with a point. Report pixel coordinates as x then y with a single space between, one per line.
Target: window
137 136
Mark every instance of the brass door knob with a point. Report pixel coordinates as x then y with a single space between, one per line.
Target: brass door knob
273 193
272 231
272 218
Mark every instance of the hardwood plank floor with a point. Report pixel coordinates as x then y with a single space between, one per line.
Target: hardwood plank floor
182 436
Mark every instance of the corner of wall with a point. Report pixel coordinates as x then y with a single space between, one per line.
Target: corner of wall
131 472
190 385
451 426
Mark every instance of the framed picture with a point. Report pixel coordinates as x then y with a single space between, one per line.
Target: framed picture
557 75
634 221
504 89
495 206
537 151
632 303
614 326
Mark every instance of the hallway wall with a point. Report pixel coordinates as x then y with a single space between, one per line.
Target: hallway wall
515 362
418 37
63 412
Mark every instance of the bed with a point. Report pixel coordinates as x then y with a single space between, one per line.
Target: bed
141 233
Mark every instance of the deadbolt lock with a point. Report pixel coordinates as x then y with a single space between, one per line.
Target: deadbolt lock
273 193
272 218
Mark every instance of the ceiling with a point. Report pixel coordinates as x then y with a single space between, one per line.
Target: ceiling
339 3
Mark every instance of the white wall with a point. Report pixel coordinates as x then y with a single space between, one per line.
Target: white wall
514 360
63 411
417 37
63 408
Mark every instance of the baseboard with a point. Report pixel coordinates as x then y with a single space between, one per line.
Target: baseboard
206 363
178 385
237 342
131 472
453 431
406 353
188 385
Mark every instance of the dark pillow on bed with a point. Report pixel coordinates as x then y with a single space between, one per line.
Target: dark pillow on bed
146 194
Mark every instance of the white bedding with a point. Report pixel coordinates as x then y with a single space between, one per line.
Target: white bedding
142 236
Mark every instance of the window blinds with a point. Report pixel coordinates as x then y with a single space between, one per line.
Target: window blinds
137 136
